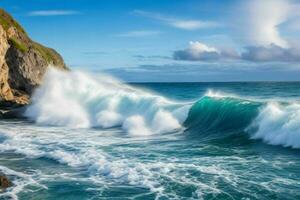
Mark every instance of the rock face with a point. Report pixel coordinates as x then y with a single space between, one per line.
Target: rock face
4 182
23 62
5 90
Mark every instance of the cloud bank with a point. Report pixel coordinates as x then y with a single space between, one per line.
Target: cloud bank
272 53
197 51
207 72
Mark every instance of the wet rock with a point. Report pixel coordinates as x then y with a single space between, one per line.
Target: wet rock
14 113
4 182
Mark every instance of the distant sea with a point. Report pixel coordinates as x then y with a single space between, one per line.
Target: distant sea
94 137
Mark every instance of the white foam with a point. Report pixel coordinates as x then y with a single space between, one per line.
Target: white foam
278 125
165 122
108 119
78 100
85 149
135 125
106 161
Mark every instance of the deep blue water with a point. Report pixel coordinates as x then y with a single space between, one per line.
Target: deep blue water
235 141
256 90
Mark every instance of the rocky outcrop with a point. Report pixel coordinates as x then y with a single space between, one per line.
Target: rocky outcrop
4 182
23 62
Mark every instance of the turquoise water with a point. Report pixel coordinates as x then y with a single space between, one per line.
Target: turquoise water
190 141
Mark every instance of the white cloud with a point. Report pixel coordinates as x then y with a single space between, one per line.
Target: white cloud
198 51
178 23
52 12
198 47
192 24
258 22
139 33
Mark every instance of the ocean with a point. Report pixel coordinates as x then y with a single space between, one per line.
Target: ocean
94 137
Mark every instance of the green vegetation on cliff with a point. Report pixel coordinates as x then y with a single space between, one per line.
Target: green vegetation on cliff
47 53
7 21
19 45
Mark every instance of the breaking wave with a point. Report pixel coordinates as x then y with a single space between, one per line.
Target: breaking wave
78 100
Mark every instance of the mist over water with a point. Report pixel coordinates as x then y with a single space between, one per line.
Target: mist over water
95 137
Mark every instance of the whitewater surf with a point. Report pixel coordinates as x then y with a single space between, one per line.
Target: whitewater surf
78 100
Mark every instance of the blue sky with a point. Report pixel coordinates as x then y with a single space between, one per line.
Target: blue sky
168 40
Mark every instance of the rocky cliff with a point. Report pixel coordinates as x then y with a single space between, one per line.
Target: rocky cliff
23 62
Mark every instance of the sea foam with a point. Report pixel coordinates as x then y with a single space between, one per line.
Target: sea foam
278 124
78 100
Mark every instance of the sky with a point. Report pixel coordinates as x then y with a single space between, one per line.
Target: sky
169 40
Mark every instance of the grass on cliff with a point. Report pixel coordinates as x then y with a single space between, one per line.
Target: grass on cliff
7 21
16 43
45 52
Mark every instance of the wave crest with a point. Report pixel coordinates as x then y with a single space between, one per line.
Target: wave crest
77 100
278 124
